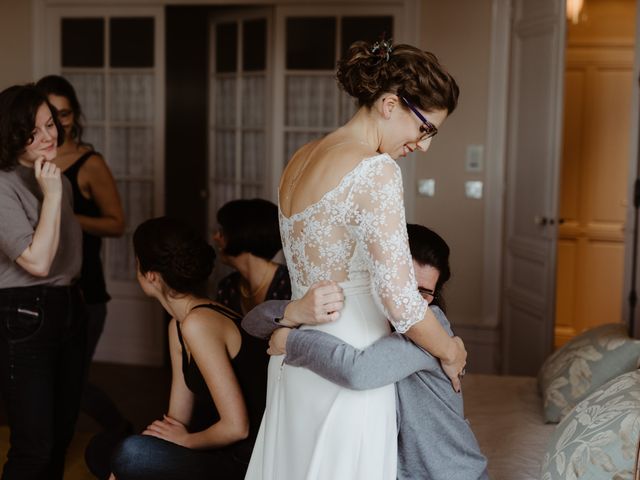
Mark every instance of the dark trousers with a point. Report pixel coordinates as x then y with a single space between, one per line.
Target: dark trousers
95 402
42 368
142 457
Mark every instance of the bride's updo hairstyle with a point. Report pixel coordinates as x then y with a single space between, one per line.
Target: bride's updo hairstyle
369 70
175 251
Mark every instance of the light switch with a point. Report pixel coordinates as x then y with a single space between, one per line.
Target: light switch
427 187
473 189
474 161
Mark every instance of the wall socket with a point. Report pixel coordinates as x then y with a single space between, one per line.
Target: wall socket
427 187
473 189
474 161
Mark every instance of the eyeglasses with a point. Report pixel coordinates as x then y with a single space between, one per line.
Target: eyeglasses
64 113
428 294
427 128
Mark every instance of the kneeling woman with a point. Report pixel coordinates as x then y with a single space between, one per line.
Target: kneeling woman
216 403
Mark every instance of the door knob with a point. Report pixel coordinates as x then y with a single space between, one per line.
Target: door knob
540 220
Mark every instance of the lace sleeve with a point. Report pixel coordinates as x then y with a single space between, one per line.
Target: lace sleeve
381 229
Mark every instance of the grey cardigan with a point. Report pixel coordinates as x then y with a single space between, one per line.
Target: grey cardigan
435 441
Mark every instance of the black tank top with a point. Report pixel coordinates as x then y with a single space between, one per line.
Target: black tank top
91 276
251 377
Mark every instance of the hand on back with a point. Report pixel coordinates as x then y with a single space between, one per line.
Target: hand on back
321 304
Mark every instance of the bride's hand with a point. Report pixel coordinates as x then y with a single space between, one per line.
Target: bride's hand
321 304
278 342
454 367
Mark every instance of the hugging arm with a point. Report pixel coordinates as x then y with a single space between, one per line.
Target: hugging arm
263 320
386 361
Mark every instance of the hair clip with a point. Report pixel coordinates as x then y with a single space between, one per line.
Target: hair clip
382 49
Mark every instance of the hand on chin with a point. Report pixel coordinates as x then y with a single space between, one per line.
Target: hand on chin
29 158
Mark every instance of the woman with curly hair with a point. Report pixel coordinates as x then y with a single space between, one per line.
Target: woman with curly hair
42 316
342 219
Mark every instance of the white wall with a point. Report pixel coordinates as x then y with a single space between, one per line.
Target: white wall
458 32
16 52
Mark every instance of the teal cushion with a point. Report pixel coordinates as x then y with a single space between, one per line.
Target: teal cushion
583 364
599 438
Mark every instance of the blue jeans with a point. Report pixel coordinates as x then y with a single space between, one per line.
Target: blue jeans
42 365
142 457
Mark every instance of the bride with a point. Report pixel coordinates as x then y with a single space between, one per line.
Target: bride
342 219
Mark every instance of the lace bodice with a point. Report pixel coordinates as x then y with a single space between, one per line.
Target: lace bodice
358 229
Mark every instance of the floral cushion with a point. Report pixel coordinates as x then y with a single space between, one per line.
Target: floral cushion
583 364
599 438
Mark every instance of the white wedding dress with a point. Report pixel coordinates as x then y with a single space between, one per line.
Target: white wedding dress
356 234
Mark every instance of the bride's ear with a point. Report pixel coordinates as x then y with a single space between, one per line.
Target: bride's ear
388 103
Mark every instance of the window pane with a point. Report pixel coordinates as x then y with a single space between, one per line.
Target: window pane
225 155
254 45
95 137
348 106
90 91
226 47
224 106
253 156
82 42
370 29
252 191
253 101
311 101
131 42
311 43
131 97
131 151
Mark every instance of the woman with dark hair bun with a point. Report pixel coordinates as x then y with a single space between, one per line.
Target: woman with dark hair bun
248 237
216 397
42 316
98 209
342 219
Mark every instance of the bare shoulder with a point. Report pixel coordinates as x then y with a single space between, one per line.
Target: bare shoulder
205 323
348 156
95 164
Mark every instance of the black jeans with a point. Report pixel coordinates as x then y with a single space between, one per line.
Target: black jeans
42 368
142 457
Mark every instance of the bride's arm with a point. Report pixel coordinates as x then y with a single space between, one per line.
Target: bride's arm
378 213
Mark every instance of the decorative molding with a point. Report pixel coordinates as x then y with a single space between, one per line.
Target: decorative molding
497 106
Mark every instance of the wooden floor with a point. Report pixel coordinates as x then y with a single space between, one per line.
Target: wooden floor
141 394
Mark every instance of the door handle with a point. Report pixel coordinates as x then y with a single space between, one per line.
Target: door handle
540 220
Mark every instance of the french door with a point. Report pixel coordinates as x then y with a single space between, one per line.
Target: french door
113 58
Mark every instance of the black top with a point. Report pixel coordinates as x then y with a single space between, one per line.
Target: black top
91 276
229 295
251 377
229 289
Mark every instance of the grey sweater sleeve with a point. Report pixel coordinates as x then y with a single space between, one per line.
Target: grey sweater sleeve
261 321
388 360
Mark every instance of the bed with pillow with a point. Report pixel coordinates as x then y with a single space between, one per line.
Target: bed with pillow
579 419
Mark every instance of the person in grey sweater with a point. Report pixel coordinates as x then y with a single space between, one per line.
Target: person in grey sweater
434 439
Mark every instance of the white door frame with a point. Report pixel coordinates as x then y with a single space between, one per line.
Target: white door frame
634 172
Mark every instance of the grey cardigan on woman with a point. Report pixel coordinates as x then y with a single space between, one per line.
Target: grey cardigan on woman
434 440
